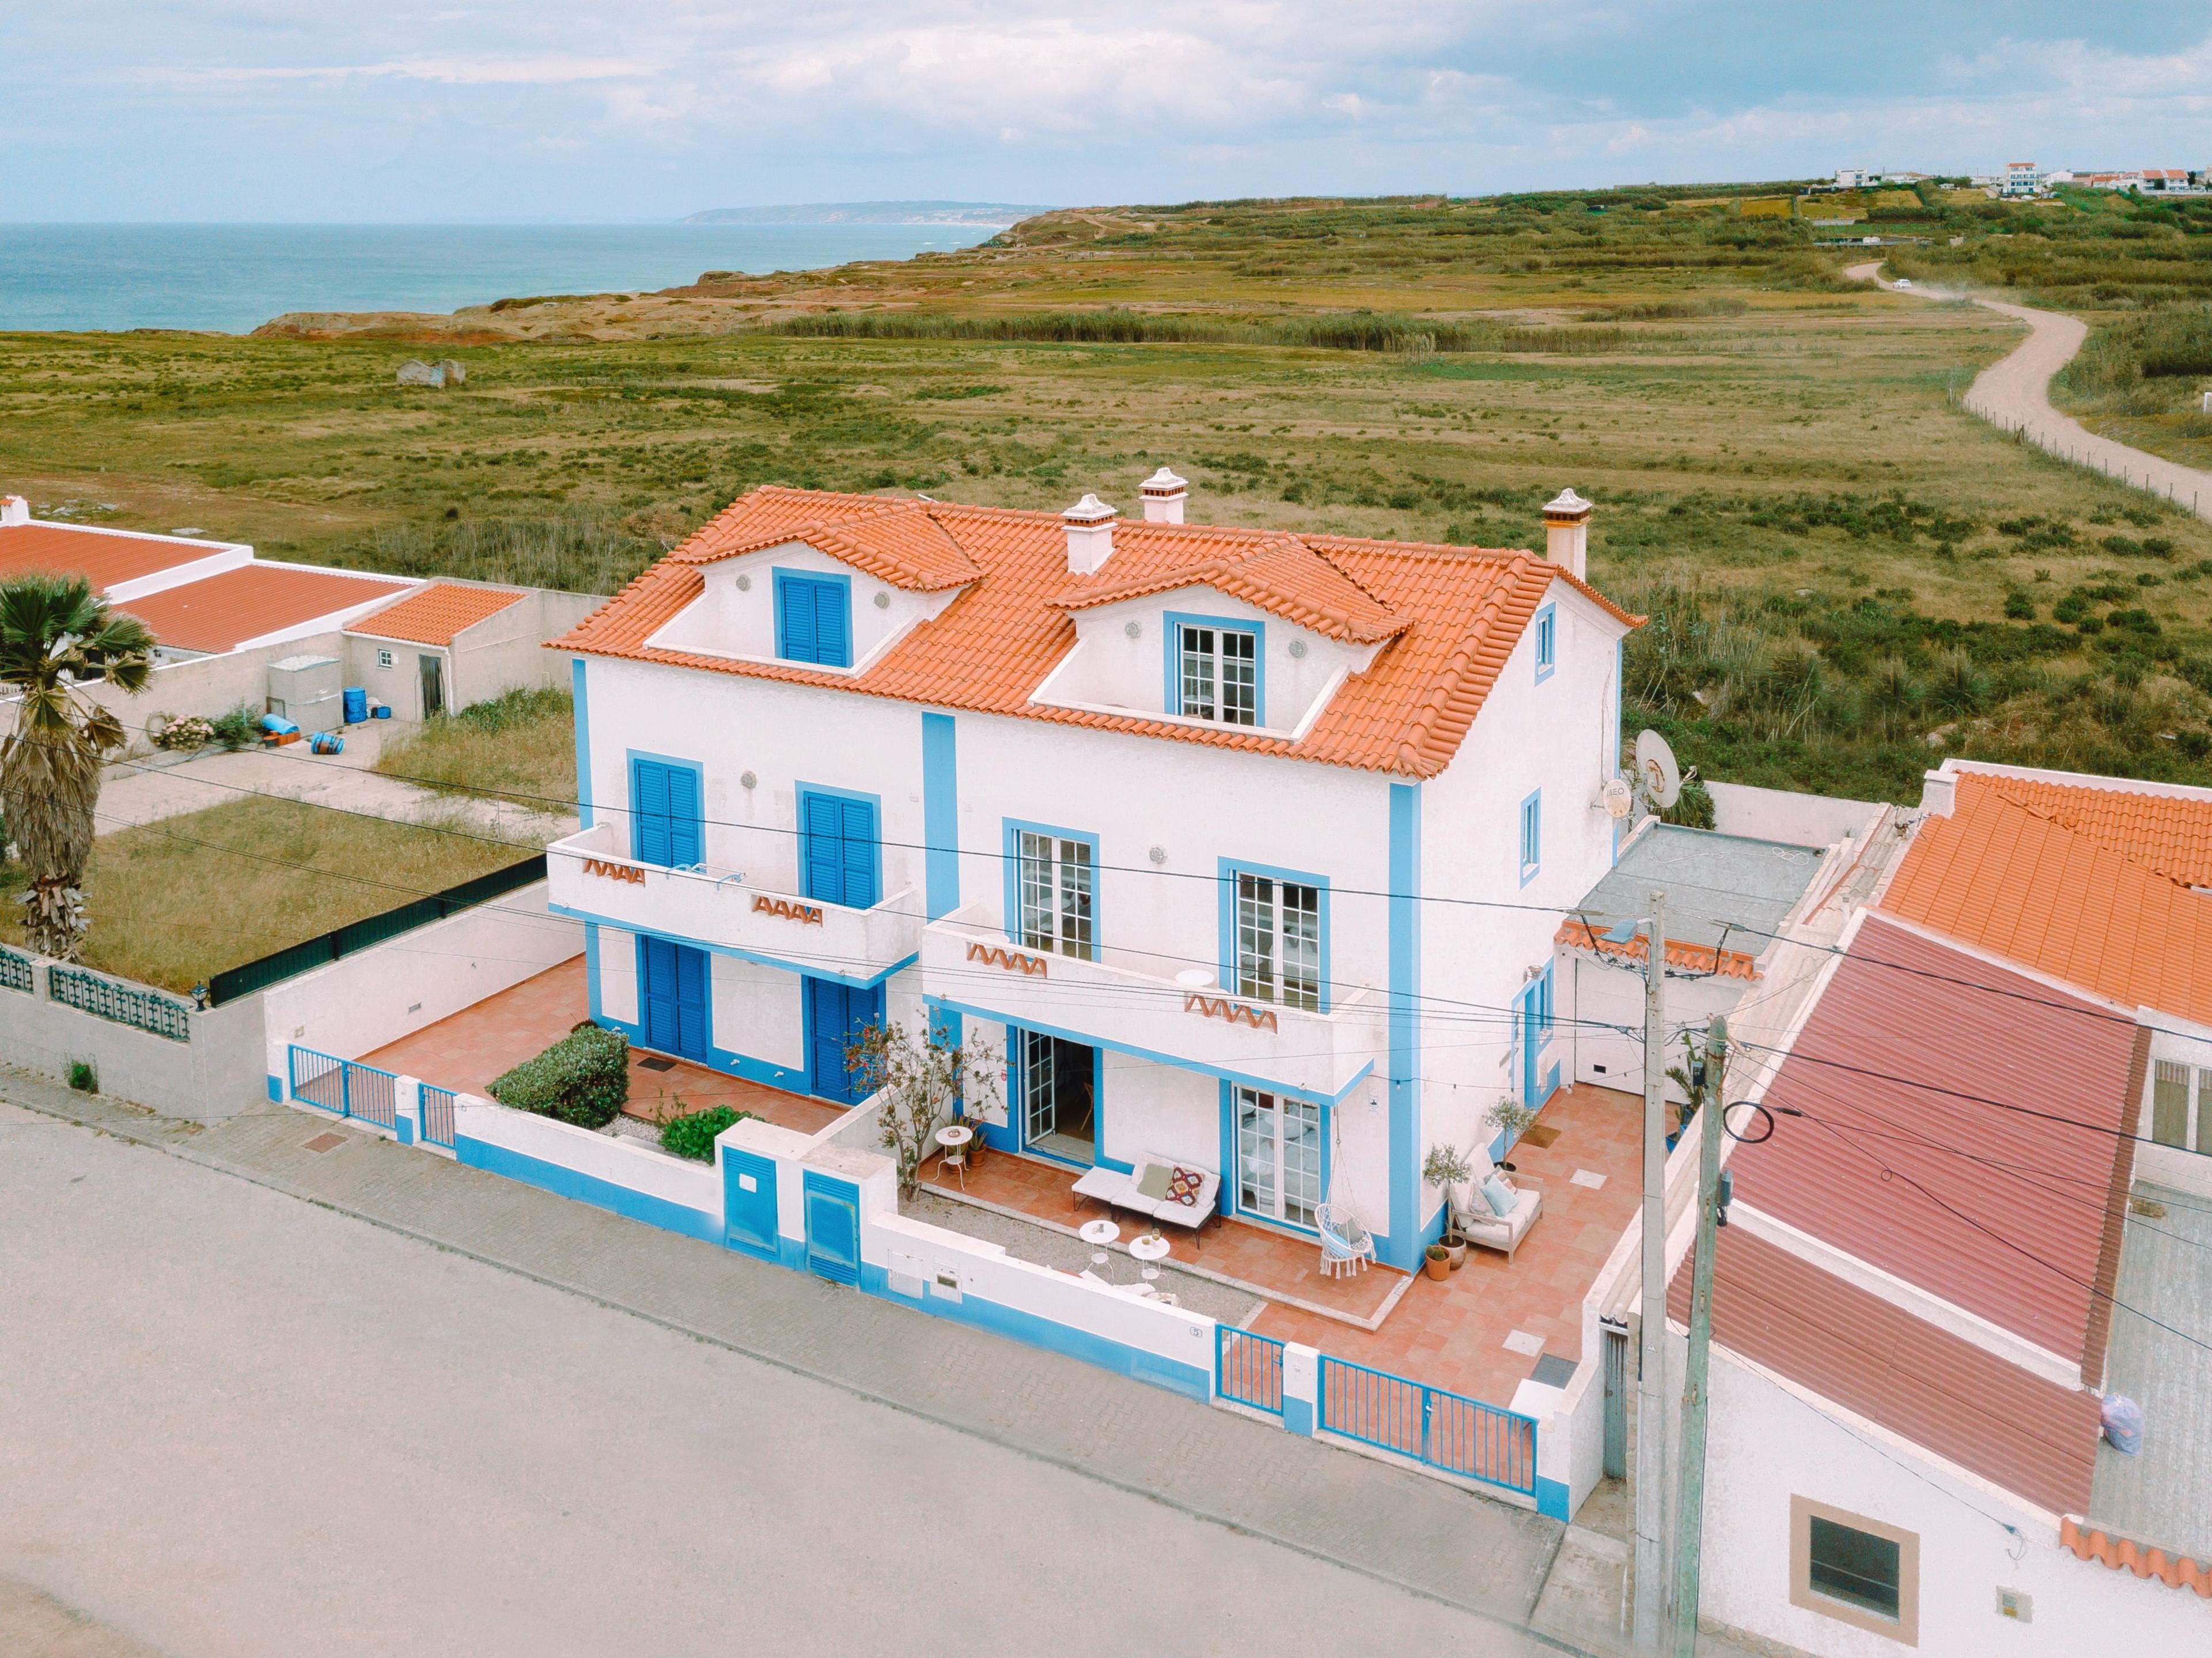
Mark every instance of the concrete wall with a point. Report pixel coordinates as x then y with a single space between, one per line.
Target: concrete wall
507 651
207 686
1613 1058
214 1075
376 996
1804 820
640 1181
1769 1443
400 685
2187 1169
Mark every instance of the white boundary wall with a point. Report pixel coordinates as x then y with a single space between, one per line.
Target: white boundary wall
207 1078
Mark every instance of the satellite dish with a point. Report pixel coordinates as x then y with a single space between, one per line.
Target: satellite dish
1619 799
1655 767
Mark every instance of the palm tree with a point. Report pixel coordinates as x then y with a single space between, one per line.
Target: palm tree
56 634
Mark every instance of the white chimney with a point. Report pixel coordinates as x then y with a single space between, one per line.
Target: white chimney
1164 494
1566 533
1090 535
13 509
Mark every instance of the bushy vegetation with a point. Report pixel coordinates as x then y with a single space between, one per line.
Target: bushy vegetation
583 1079
521 744
692 1134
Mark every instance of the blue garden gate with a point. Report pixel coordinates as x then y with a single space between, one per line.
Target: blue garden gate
833 1228
749 1202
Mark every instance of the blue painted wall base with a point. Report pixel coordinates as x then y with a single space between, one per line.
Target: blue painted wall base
588 1188
1298 1416
277 1089
1552 1498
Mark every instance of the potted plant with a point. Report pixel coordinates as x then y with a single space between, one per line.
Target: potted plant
1436 1262
1510 1117
1447 1166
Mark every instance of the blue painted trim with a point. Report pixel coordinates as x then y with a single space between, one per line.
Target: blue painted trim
875 804
1619 824
402 1128
1172 622
277 1089
1011 1020
1298 1416
580 699
587 1189
698 771
1403 1249
780 580
1552 1498
1532 836
1192 1381
940 815
1545 626
1226 870
1010 833
790 1251
591 968
782 963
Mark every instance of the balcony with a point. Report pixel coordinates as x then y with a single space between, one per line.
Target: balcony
1178 1022
590 874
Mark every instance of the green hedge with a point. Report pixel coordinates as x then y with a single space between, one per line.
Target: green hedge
692 1135
583 1079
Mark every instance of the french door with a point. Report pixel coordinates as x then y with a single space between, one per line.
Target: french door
1279 941
1277 1157
1055 889
1220 674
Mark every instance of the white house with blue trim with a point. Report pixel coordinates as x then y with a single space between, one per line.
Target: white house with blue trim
1244 848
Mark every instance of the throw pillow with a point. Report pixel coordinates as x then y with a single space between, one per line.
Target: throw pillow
1499 1196
1153 1182
1183 1186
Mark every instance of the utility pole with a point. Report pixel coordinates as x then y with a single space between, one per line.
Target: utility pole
1651 1411
1695 1403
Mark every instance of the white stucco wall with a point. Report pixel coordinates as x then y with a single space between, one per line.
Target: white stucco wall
727 620
1593 995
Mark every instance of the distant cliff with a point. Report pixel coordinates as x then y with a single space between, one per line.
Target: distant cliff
946 213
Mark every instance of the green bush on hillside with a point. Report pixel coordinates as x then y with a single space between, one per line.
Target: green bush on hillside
583 1079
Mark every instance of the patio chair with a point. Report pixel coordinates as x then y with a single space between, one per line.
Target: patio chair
1345 1245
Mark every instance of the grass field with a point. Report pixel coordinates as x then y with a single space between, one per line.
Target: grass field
521 746
1840 566
176 902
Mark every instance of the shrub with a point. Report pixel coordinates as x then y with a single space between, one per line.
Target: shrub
238 729
82 1077
184 734
692 1135
583 1079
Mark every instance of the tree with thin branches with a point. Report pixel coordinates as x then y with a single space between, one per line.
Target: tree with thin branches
57 636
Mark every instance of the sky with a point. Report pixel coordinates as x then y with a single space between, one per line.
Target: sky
280 110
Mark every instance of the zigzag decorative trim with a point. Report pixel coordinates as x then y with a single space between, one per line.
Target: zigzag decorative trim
1014 961
629 872
1222 1007
790 908
2124 1554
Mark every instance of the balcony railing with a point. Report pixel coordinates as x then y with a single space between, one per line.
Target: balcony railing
589 874
1184 1022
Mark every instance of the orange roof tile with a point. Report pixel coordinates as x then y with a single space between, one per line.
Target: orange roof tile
103 557
433 615
1575 933
2002 878
224 610
2169 833
1452 614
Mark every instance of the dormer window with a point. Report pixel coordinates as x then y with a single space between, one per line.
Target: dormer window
1215 672
814 618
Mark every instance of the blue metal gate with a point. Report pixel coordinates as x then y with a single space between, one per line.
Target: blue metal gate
1248 1369
749 1202
833 1228
345 1086
1445 1429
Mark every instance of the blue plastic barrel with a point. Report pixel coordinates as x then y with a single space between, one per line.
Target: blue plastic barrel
384 711
357 704
278 724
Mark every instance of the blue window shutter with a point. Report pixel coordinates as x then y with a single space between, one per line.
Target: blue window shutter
649 811
691 1003
794 618
823 865
833 644
684 826
857 836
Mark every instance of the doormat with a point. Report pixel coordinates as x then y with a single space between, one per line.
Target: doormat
1540 1136
325 1142
656 1063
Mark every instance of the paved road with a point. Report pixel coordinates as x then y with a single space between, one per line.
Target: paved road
235 1423
2014 394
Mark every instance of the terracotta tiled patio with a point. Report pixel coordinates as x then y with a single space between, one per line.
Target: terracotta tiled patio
467 1051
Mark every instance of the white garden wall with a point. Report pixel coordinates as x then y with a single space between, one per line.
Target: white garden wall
214 1075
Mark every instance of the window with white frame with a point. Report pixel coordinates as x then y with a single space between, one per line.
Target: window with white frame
1055 884
2181 1106
1277 1157
1532 836
1219 675
1278 942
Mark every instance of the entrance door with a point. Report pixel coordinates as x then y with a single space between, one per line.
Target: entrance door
1532 1028
1059 1092
433 670
835 1015
838 850
674 977
1279 1174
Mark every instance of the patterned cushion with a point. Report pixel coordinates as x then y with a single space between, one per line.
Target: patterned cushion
1184 1186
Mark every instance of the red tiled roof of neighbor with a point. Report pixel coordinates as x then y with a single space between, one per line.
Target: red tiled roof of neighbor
2169 833
225 610
1578 934
2002 877
1451 613
2016 1428
433 615
102 558
2013 1214
2176 1571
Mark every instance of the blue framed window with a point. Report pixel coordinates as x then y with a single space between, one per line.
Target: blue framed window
840 852
1052 889
664 817
1274 935
1532 836
814 618
1547 642
1214 669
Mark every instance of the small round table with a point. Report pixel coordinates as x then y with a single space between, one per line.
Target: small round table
1195 978
1098 1231
1149 1249
954 1138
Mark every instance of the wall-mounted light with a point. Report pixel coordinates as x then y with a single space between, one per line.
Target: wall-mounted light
747 780
1158 855
745 584
882 601
1298 647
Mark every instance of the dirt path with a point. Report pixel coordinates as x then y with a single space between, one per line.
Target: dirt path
2014 394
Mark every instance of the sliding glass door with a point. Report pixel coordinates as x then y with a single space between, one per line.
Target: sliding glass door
1279 1174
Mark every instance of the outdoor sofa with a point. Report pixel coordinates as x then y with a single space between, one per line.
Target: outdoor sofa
1150 1190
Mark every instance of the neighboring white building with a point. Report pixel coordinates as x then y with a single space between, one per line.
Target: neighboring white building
2023 179
1157 810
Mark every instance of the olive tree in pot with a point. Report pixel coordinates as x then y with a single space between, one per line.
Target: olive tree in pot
1447 1166
1509 1117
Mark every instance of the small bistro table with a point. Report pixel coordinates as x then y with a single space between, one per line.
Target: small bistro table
954 1138
1149 1249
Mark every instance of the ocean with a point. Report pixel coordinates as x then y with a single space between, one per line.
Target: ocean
234 277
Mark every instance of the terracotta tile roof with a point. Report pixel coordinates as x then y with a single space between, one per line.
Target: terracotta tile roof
2176 1571
2015 1429
1452 614
1278 573
2007 879
224 610
102 558
1681 954
2169 833
433 615
2013 1215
